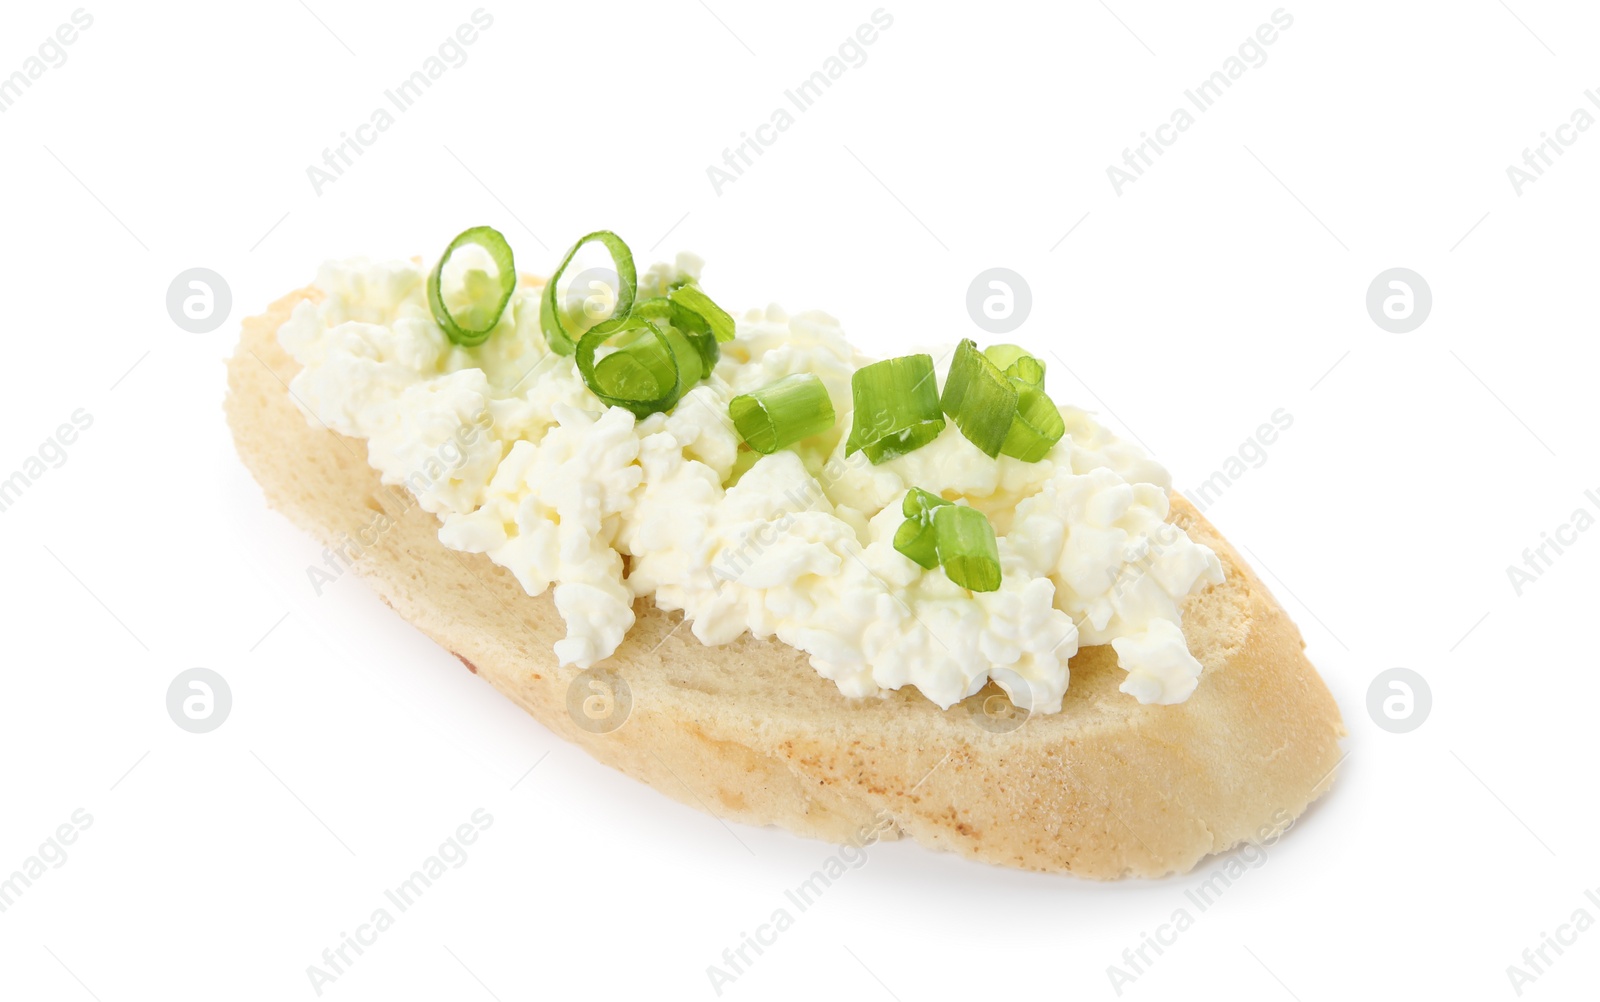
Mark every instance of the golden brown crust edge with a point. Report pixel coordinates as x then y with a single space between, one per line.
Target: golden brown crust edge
750 732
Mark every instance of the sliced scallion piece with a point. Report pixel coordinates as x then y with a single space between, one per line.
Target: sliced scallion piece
1027 369
687 328
1016 363
979 398
691 367
915 537
694 326
965 542
1036 424
1035 427
896 408
551 320
713 318
937 533
706 345
919 503
475 324
782 413
1002 355
641 374
654 309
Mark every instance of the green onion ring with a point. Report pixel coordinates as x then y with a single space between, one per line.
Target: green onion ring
704 322
619 379
1027 369
915 537
1035 427
979 398
937 532
710 353
895 408
560 339
690 328
782 413
713 318
691 363
966 546
491 240
657 308
1002 355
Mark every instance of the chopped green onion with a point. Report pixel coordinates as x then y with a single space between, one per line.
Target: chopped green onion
692 325
697 352
562 341
1018 364
937 532
1027 369
706 345
1035 427
915 540
713 318
662 345
915 537
782 413
471 333
919 503
964 540
896 404
979 398
691 366
1002 355
1036 424
654 309
690 360
641 375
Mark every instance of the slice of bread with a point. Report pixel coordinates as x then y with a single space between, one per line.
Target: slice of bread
750 732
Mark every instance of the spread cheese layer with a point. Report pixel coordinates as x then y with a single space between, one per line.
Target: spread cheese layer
519 461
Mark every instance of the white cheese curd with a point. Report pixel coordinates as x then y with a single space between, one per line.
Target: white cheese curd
1119 569
550 516
521 462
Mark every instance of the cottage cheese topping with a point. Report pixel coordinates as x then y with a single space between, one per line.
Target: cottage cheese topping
519 461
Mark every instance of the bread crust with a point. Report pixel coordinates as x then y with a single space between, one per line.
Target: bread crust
750 732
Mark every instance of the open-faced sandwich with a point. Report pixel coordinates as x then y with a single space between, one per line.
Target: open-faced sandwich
779 580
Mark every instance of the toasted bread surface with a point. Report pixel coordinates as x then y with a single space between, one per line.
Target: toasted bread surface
750 732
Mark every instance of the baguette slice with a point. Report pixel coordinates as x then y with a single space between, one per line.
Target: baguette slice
750 732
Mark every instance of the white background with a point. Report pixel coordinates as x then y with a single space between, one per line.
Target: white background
1226 283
